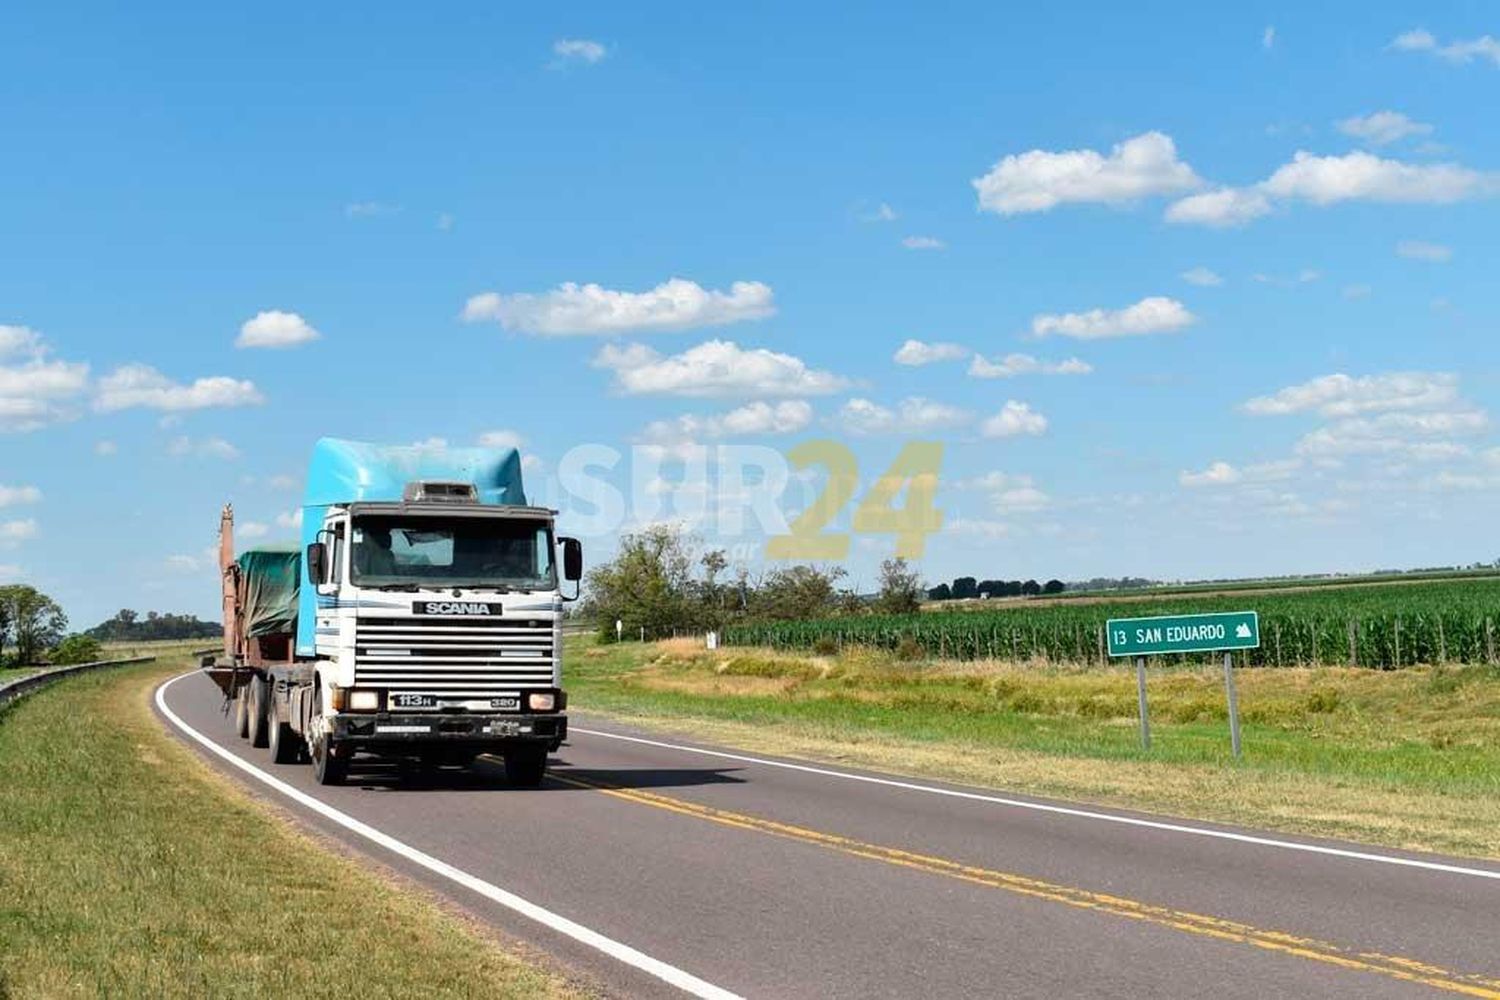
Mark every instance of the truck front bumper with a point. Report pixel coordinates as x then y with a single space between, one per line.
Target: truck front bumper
481 732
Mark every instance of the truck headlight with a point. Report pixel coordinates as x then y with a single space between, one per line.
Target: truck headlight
364 700
541 701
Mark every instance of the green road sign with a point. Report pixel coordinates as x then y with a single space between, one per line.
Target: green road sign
1183 633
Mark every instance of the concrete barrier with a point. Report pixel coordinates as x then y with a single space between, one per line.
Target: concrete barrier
12 690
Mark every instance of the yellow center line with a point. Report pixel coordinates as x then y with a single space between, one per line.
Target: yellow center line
1396 967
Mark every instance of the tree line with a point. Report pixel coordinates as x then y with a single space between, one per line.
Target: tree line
969 588
661 582
130 626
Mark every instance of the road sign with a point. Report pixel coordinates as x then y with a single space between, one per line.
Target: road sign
1183 633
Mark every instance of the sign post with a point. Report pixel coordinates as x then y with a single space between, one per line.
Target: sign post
1218 632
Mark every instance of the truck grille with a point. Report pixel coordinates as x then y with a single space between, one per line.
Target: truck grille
455 657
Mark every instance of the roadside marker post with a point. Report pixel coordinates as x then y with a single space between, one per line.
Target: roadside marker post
1211 633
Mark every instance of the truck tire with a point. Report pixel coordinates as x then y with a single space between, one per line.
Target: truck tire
327 769
285 748
242 711
260 698
525 767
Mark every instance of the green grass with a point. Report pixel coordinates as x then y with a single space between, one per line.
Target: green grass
1409 757
129 868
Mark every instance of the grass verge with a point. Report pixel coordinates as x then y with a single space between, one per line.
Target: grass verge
130 868
1407 758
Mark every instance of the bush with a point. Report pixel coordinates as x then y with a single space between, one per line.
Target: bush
825 645
909 649
76 648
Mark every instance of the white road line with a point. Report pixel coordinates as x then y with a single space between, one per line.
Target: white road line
1197 831
684 981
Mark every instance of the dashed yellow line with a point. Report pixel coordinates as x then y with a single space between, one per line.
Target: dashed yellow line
1396 967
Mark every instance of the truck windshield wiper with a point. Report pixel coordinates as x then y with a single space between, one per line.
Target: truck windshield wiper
410 588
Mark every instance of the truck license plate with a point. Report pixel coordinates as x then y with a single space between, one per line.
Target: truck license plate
413 701
505 704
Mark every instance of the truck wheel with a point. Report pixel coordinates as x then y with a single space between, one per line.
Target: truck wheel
284 748
242 711
260 698
525 767
327 769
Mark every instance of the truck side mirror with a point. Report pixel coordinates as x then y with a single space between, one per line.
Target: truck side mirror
572 559
317 563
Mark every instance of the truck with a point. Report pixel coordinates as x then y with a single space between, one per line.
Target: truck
418 619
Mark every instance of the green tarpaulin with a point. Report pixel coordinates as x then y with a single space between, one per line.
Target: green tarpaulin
270 574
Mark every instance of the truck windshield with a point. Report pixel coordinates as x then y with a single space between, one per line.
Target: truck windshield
437 551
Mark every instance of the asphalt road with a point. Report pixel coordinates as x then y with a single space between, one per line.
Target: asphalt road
657 868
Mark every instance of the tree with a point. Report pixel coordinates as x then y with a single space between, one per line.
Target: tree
900 587
76 648
1014 588
1030 588
965 588
1053 587
940 593
648 584
796 592
991 588
33 619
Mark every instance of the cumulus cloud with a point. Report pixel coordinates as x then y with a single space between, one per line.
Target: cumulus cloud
676 304
1217 474
501 439
582 50
916 352
1009 493
1381 128
35 389
1220 208
1324 180
1014 420
1037 181
715 368
1155 314
923 243
290 519
252 529
757 418
1434 253
913 415
137 385
1416 436
1202 277
1341 395
213 447
1484 48
13 495
1025 364
274 328
15 532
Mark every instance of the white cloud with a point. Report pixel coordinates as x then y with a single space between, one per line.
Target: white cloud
715 368
35 390
252 529
290 519
1434 253
1010 494
1324 180
369 209
15 532
1155 314
1417 436
757 418
1268 37
1217 474
274 328
1340 395
676 304
881 213
180 563
579 50
106 448
913 415
1305 276
214 447
1222 207
281 481
982 527
923 243
1202 277
140 385
1014 420
1382 127
1485 47
1024 364
501 439
1038 180
917 352
10 572
11 496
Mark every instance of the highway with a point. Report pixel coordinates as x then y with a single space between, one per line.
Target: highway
653 867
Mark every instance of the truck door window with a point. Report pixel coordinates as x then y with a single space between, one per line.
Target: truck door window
336 555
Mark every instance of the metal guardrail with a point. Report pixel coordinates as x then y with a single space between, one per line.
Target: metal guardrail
12 690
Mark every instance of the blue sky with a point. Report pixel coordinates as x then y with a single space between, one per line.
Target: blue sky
404 196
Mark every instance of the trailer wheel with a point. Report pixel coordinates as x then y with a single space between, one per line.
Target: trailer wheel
283 740
327 769
260 697
242 711
526 766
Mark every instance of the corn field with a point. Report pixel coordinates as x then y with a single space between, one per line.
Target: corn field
1382 627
